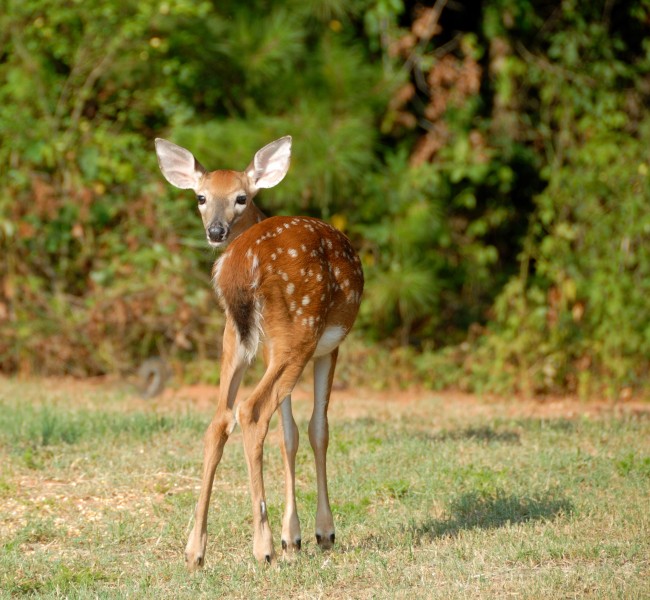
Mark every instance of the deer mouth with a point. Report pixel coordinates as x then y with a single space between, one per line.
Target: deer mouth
219 244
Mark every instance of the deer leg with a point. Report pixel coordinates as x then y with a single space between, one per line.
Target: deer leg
254 416
291 538
232 371
319 440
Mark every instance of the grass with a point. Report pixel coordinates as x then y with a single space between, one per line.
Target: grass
433 498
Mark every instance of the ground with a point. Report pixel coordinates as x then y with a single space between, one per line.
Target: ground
435 495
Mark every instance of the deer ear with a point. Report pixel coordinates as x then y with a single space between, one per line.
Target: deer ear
270 163
178 165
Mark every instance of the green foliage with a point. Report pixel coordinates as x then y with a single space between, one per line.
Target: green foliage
576 317
489 164
103 264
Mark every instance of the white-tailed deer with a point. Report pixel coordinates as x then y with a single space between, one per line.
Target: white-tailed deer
293 283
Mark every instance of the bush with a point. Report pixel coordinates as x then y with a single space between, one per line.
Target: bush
487 160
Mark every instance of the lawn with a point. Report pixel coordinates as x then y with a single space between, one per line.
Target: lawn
434 496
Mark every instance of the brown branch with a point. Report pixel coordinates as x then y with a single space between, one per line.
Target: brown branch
414 56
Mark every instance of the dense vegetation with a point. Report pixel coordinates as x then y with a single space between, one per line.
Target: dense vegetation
488 158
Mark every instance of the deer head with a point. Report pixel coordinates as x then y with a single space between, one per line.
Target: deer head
225 197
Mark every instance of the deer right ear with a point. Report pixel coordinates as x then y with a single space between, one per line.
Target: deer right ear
270 163
178 165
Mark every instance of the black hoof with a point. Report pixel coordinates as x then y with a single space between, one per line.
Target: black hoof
198 561
332 538
284 545
267 558
299 543
318 538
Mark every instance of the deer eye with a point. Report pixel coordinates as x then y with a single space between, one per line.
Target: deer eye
241 199
201 199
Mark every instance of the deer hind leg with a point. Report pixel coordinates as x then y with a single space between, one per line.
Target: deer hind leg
232 371
254 415
319 439
291 538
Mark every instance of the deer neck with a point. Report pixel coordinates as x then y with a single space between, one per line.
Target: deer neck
252 216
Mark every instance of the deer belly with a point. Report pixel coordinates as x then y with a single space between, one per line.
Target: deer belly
331 338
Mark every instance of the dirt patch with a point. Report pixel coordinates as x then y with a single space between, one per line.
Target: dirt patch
358 402
352 403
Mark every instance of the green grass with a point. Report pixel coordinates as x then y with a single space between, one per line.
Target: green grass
97 488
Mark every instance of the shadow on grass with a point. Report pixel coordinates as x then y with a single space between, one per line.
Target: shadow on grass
478 434
488 434
480 510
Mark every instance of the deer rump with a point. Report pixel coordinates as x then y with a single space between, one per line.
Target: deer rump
294 271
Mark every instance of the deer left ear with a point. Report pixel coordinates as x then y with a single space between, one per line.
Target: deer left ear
178 165
270 163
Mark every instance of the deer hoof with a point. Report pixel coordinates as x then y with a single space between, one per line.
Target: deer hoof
193 562
325 542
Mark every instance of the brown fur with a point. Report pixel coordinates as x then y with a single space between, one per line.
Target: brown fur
306 256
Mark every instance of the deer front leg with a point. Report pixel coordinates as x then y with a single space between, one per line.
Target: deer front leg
319 439
216 436
214 441
291 538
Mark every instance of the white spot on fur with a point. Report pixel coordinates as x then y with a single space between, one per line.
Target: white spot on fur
292 252
306 300
290 288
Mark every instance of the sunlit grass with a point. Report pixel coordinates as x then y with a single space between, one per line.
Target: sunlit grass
97 489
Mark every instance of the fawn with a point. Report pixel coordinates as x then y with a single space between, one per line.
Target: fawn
294 283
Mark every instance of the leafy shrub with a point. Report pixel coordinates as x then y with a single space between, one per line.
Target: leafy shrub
488 161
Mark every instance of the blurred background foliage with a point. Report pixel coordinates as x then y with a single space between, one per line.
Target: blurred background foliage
489 158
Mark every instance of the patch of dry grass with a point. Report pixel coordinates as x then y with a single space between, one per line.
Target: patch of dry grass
435 496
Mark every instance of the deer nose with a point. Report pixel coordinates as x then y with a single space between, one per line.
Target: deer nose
217 232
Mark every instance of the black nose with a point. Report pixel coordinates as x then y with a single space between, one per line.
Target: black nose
217 233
